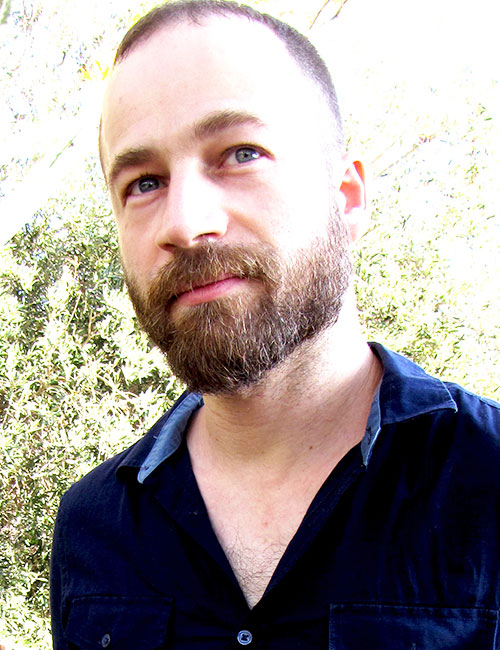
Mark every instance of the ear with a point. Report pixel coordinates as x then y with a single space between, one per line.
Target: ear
352 202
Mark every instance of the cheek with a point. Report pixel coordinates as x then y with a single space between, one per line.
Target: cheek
137 251
125 243
307 205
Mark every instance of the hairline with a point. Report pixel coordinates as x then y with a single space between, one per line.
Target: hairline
212 9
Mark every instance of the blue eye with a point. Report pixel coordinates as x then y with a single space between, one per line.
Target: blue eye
241 155
144 185
246 154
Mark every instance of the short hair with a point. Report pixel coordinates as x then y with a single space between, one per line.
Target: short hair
300 48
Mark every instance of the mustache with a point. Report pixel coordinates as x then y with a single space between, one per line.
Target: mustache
209 262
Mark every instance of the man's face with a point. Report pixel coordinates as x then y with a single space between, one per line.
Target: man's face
213 146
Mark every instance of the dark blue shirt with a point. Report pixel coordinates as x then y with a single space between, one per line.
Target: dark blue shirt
399 550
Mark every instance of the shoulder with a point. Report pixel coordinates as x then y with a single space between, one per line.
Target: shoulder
474 423
106 482
106 485
408 392
438 424
475 426
470 405
451 452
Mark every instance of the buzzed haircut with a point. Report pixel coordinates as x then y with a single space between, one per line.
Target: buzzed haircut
301 50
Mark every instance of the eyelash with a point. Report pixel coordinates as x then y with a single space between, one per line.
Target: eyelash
128 188
246 145
225 155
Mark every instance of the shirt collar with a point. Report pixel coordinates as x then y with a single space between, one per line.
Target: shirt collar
170 435
406 391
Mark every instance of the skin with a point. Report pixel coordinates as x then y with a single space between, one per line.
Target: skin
229 137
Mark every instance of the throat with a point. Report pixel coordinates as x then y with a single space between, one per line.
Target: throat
259 473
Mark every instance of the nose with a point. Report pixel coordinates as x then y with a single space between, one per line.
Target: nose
194 210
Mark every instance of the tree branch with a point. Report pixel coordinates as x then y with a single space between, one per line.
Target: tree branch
4 14
341 4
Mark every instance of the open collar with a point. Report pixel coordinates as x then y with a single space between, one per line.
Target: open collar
405 392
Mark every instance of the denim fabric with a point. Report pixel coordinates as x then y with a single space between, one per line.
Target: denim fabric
399 550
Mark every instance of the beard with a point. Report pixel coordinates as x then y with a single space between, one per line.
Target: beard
231 343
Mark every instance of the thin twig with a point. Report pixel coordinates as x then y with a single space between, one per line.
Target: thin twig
327 2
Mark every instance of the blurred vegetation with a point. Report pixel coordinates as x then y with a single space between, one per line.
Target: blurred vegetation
428 128
428 265
79 381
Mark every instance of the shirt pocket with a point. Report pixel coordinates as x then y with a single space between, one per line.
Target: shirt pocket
391 627
118 623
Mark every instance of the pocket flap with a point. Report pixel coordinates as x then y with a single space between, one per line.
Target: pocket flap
391 627
110 622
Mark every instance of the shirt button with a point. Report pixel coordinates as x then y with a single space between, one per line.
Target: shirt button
105 641
244 637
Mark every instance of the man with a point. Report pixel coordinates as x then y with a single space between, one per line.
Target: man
308 491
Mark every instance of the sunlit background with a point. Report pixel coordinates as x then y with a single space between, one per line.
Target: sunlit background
419 87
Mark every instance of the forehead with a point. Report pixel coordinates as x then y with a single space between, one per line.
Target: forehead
185 71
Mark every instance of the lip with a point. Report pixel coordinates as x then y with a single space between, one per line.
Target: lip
209 291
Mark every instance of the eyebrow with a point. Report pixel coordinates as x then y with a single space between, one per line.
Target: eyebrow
208 127
215 123
126 160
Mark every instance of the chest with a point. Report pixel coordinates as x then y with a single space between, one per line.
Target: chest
254 531
374 556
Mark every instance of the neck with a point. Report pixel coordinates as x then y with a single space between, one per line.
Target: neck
319 399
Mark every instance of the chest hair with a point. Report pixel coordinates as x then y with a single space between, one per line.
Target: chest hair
254 542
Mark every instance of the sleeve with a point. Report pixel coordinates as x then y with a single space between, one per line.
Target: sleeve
56 585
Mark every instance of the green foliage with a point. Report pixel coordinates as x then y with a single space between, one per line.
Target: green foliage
4 11
78 383
428 266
